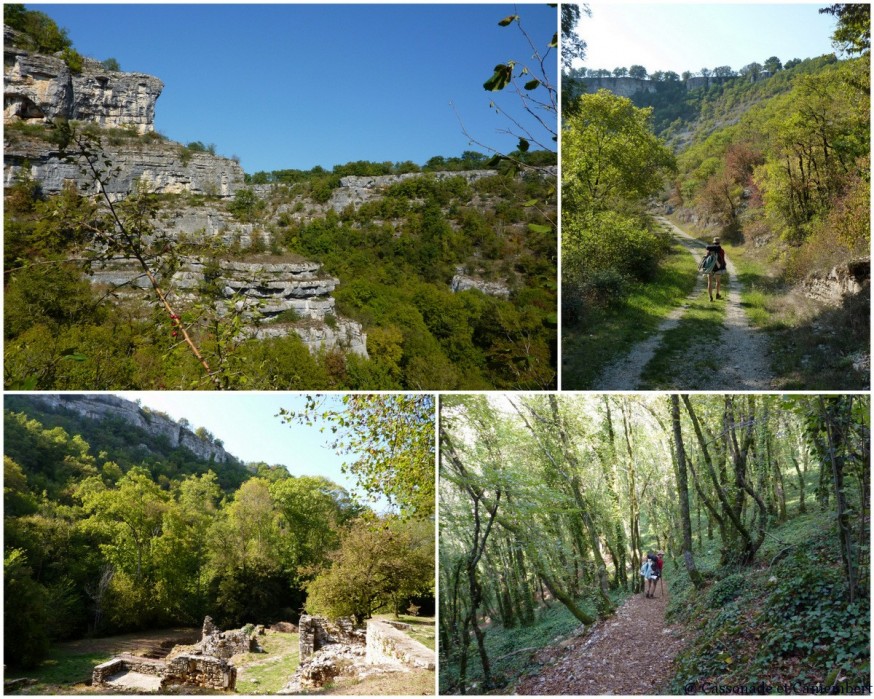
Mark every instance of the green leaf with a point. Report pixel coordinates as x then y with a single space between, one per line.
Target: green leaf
531 84
500 79
539 228
554 43
531 202
524 145
495 161
508 20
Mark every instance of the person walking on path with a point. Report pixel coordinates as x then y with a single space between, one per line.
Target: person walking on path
717 269
649 573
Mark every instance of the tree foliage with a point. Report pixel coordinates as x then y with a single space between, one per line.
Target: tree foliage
390 442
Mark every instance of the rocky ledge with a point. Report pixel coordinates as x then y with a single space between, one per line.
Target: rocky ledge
833 287
277 298
99 407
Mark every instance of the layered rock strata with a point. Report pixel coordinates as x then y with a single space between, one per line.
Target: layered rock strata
845 280
262 292
41 88
154 164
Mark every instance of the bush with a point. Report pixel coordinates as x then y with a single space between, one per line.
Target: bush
615 242
73 59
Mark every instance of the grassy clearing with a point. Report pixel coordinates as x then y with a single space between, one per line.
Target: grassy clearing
268 672
63 672
608 333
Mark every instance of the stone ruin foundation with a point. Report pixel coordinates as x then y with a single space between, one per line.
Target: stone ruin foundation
203 665
329 650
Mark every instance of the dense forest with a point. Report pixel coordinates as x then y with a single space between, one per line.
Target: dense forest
395 257
774 161
550 505
102 537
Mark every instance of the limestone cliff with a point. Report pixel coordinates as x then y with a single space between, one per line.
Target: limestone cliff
39 88
101 406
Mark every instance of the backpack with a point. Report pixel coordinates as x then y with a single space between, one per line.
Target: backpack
709 263
656 572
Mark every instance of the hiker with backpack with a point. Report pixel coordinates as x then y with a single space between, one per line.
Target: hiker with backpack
655 574
713 265
645 572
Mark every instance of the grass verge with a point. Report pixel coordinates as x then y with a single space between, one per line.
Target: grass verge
608 333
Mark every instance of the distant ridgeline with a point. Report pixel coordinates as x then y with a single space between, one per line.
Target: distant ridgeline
124 432
679 100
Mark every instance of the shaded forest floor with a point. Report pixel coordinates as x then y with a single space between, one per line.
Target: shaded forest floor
629 653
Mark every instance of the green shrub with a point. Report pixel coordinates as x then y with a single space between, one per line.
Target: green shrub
613 241
73 59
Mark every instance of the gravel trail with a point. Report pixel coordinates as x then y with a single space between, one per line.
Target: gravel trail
740 355
629 653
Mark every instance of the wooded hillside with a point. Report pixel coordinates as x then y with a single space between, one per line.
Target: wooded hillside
549 505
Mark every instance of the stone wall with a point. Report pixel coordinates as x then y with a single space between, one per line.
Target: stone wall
225 644
387 644
201 671
317 632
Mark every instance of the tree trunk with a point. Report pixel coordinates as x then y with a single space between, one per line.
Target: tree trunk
683 493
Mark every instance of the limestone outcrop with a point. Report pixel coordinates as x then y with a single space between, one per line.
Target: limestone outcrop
40 88
265 294
101 406
357 190
157 164
463 282
833 287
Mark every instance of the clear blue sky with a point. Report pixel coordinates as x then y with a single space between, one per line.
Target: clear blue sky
247 425
681 37
294 86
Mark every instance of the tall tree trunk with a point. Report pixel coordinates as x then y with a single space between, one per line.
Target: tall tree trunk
837 415
683 493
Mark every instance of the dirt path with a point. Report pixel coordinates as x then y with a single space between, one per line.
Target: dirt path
740 355
629 653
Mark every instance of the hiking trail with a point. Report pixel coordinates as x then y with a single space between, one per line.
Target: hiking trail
739 354
628 653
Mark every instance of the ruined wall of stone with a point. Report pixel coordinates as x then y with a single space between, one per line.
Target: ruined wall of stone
388 644
317 632
201 671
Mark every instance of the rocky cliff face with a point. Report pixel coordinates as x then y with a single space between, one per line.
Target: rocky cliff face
262 292
101 406
157 164
40 88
